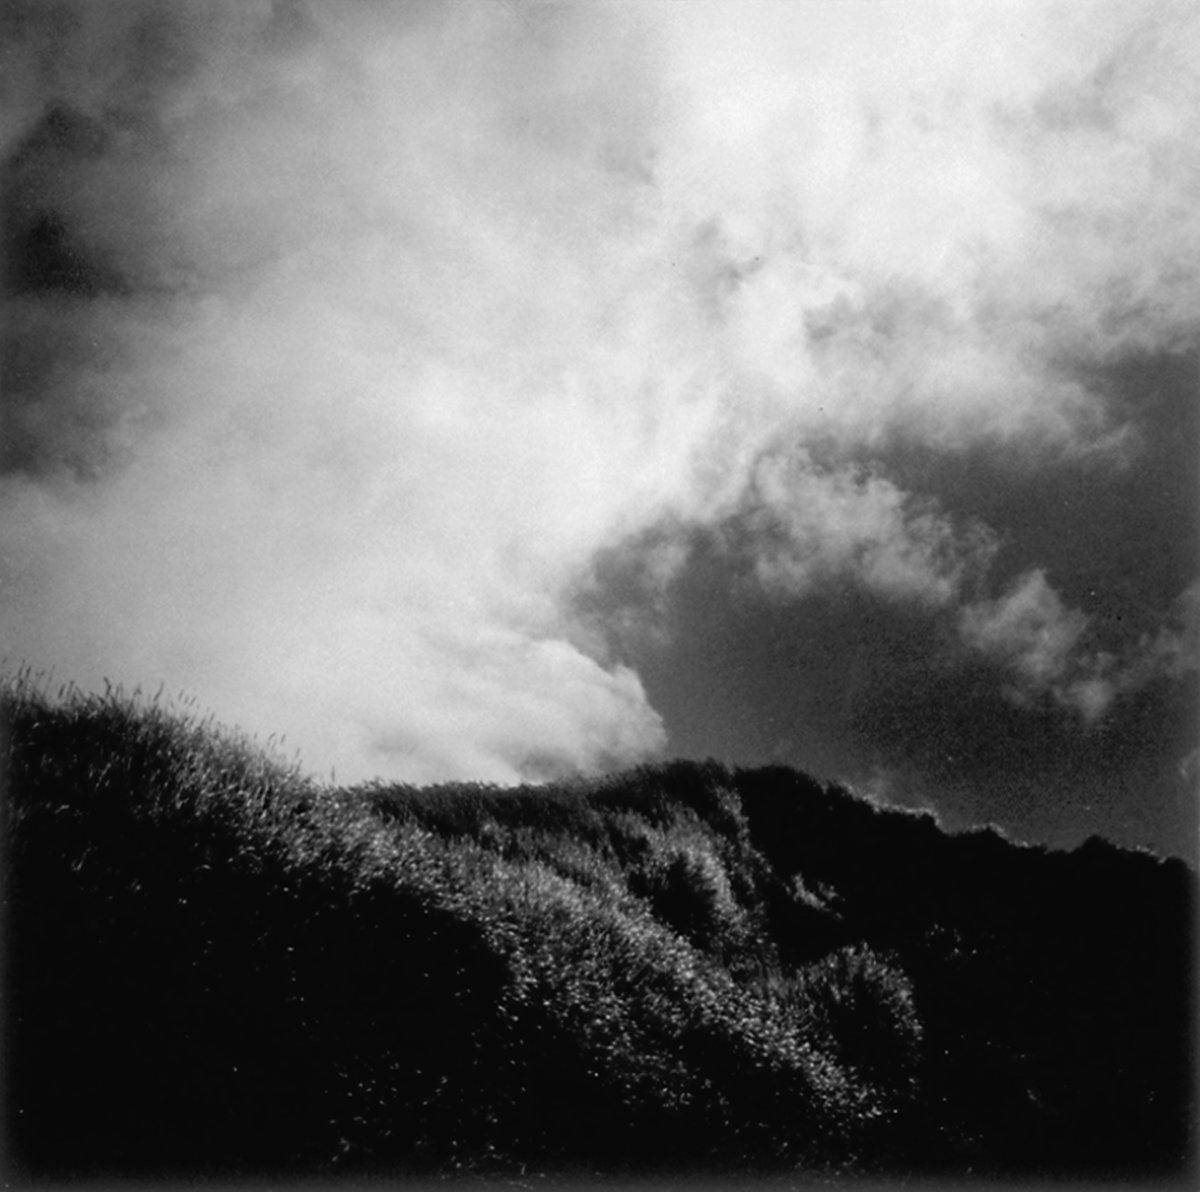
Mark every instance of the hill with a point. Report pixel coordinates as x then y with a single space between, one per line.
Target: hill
215 964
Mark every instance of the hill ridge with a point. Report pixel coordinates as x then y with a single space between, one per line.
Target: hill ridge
216 963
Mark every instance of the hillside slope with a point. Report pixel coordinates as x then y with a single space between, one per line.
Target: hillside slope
214 964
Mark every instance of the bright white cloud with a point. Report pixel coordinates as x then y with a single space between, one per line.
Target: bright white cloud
394 316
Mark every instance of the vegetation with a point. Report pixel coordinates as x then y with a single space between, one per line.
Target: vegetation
215 964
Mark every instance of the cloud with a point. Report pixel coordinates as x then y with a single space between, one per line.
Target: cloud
292 421
808 524
1170 652
932 212
1031 633
342 339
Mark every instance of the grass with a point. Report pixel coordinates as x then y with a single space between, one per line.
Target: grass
217 964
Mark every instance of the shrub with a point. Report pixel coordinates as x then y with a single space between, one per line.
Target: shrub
687 889
860 1007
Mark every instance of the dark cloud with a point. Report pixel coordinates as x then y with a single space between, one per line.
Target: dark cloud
849 684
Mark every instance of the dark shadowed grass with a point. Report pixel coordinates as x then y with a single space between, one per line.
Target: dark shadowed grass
217 965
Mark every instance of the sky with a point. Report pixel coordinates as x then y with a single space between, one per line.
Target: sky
511 389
